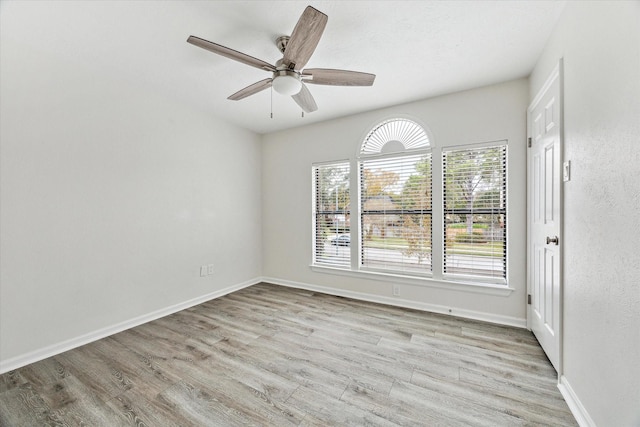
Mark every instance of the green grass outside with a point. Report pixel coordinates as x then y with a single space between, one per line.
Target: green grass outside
464 225
490 249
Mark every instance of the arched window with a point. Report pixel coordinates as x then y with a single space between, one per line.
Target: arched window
397 216
395 135
395 198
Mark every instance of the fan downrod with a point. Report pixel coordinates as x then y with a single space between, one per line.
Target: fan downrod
281 42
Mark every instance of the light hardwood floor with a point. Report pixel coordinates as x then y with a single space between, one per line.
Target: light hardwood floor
274 356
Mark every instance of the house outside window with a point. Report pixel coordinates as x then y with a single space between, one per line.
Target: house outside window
414 197
331 217
475 211
395 198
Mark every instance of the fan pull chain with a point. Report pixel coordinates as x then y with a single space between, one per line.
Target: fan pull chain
272 102
303 114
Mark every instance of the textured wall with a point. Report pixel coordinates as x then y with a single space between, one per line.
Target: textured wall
600 43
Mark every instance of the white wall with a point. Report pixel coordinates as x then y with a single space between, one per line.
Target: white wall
486 114
600 44
111 197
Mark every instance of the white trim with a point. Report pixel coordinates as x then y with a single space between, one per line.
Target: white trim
52 350
314 202
330 162
388 117
396 154
473 145
555 73
577 409
433 308
452 284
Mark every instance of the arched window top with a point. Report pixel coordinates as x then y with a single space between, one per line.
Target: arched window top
395 135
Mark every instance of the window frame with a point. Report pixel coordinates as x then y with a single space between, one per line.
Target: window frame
503 144
436 278
392 157
316 260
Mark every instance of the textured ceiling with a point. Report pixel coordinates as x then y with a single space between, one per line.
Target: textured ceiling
417 49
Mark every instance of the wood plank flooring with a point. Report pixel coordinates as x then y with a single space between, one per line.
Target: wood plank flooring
274 356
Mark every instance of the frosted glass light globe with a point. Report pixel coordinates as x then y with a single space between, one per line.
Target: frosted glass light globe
287 84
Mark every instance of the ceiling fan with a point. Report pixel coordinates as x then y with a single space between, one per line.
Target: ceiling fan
288 74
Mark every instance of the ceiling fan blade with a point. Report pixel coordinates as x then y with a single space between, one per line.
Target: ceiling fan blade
230 53
305 100
251 89
305 38
327 76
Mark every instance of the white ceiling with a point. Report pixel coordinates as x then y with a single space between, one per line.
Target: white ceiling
417 49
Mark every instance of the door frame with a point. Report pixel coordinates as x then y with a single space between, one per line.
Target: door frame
556 73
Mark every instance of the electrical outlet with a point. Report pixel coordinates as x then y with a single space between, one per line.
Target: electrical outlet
203 271
210 269
396 290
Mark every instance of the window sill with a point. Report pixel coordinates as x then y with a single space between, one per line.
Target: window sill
452 285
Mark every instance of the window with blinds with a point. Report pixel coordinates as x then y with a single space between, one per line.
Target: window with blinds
395 198
331 217
396 213
475 213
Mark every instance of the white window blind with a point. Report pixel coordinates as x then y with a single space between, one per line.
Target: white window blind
475 214
331 208
395 213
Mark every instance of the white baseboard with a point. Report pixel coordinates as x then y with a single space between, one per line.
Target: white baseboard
52 350
577 409
395 301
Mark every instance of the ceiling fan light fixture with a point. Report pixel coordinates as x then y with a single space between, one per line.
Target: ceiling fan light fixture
287 82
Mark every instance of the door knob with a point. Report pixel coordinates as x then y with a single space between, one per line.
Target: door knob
553 240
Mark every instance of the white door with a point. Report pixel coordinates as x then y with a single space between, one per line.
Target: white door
544 248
